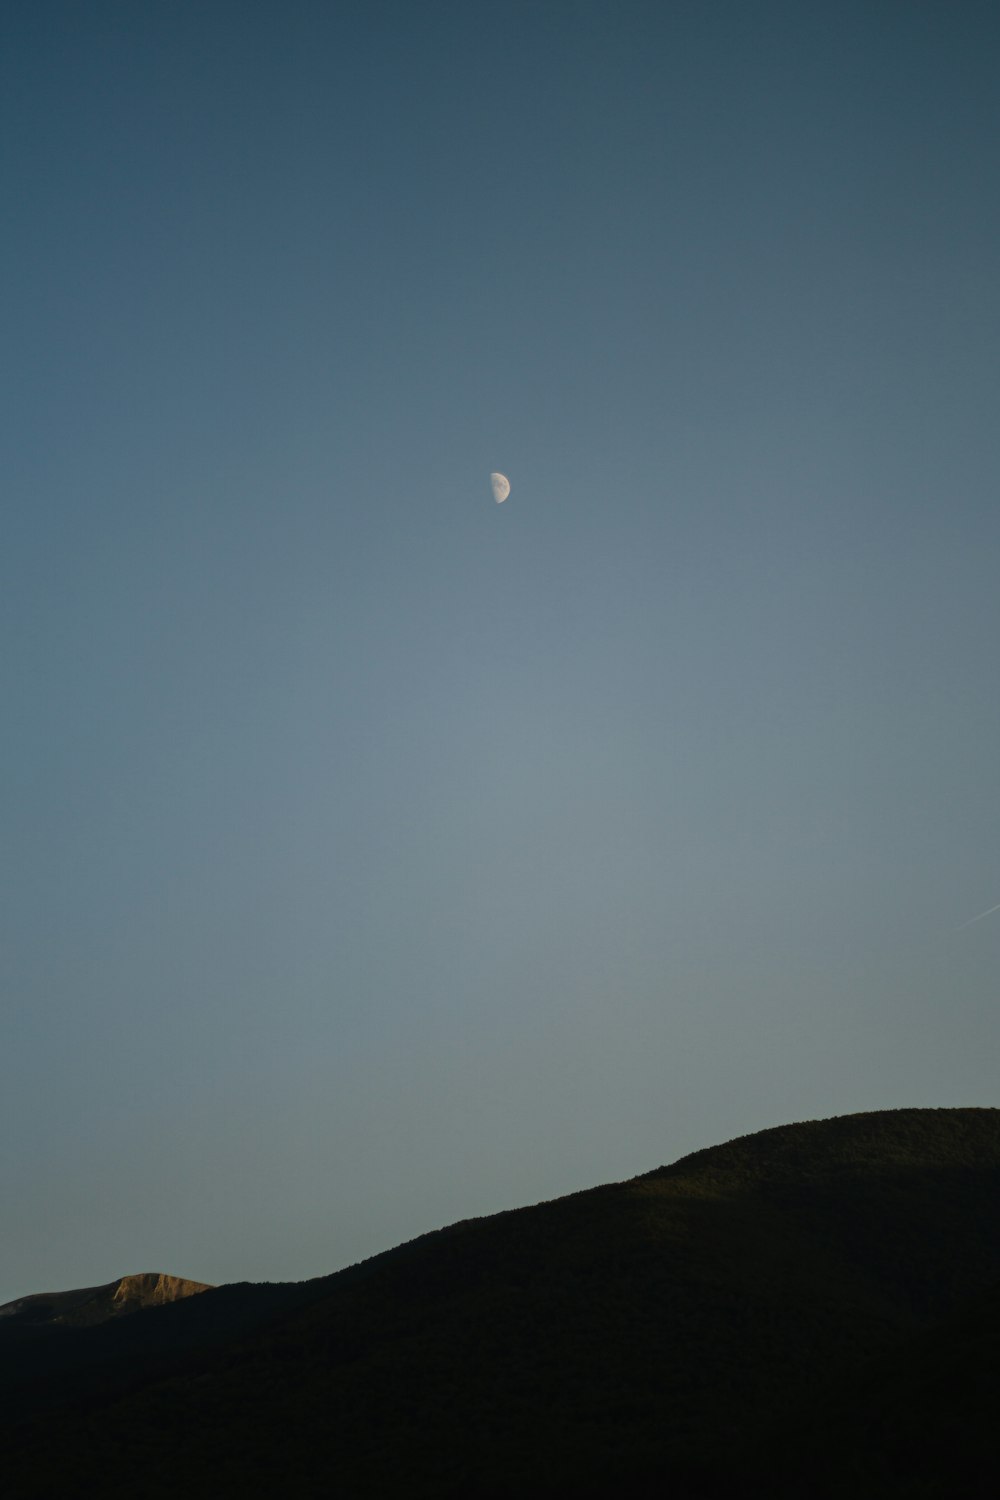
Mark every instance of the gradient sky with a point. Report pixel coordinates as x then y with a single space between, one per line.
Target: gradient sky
375 856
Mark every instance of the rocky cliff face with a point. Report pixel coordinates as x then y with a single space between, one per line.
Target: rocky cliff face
96 1304
151 1288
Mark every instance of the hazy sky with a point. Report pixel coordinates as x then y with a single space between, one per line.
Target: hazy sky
374 855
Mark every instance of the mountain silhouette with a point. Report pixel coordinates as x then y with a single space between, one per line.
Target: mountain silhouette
811 1309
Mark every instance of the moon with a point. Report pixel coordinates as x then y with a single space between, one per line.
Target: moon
500 485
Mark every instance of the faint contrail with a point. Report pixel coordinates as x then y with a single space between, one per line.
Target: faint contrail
988 913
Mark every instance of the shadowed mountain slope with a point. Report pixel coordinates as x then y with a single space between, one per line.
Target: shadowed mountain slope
719 1320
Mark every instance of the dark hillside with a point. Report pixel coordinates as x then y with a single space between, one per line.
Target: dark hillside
722 1317
919 1421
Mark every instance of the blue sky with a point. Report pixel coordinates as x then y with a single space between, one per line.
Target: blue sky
377 856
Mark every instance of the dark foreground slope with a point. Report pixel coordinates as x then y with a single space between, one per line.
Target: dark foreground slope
813 1309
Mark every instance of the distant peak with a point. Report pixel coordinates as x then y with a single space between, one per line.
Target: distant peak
151 1288
85 1306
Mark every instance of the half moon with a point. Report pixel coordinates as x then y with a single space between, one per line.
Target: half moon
500 485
